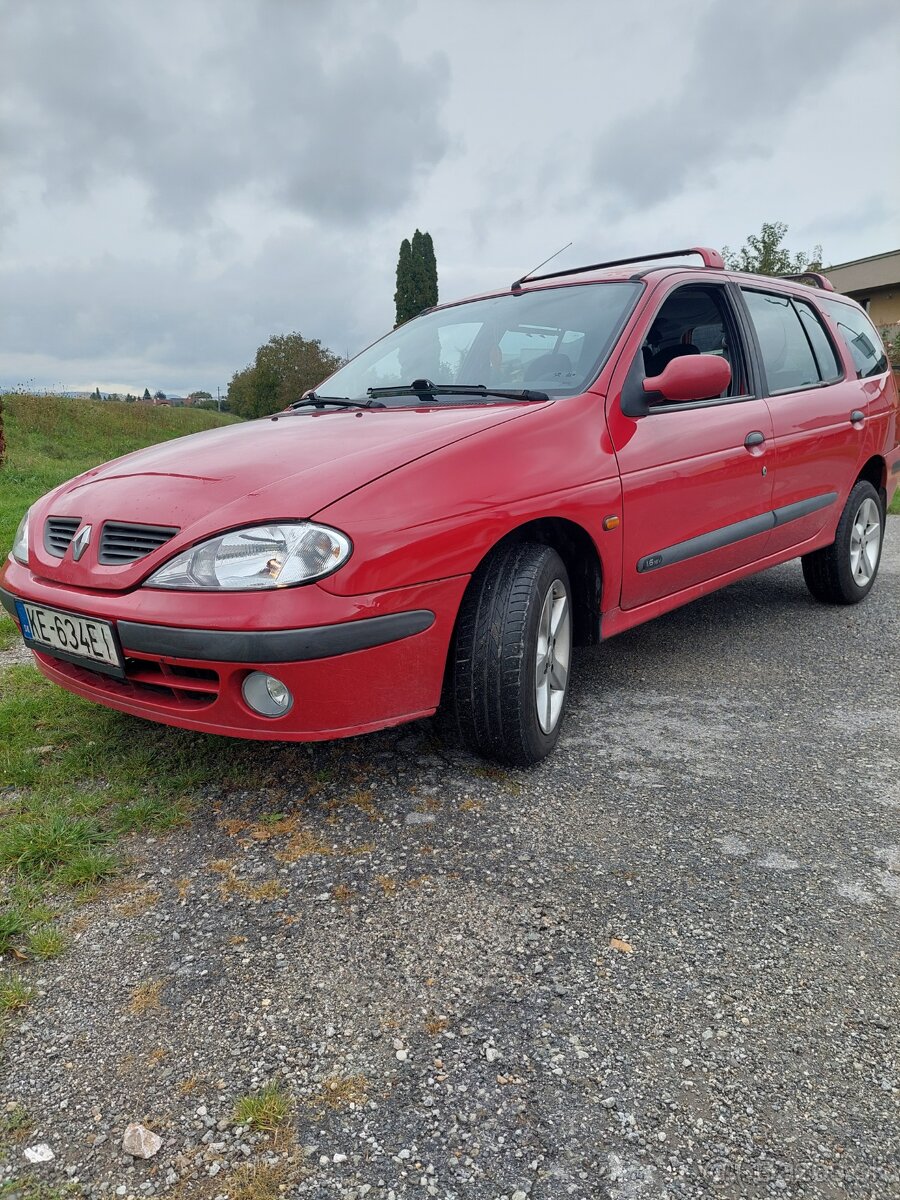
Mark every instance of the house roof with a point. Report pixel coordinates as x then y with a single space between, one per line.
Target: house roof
866 274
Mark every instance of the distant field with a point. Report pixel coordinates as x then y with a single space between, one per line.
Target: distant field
49 439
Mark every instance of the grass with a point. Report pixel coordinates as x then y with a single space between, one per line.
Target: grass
264 1110
46 941
895 504
78 777
14 993
257 1181
49 439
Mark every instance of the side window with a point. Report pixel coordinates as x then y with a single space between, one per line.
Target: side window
786 352
862 341
695 320
829 367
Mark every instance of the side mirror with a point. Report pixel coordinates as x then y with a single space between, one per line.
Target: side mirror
691 377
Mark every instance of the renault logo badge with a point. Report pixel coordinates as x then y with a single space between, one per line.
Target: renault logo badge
81 541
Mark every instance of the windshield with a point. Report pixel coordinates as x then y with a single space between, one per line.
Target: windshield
554 340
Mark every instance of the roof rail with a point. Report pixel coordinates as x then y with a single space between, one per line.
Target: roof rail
818 279
711 258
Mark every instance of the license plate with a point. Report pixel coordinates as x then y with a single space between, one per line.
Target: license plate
84 641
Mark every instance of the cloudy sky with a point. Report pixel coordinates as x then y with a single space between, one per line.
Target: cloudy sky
180 179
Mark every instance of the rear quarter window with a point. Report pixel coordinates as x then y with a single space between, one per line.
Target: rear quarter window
860 336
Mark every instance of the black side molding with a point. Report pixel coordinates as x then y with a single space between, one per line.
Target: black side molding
272 646
727 535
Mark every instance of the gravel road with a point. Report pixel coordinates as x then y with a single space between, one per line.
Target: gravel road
662 965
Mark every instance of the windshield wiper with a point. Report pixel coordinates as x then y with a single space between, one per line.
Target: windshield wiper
314 400
426 390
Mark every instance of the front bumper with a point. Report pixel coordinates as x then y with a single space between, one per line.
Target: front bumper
352 664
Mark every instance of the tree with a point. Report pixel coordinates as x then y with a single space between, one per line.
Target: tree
95 394
283 369
404 296
159 395
417 286
147 395
763 254
194 397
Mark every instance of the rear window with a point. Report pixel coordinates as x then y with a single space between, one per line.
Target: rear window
859 333
787 355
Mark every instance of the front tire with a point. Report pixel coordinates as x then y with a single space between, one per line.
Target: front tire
512 653
845 571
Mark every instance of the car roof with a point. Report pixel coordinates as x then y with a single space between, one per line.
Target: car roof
627 270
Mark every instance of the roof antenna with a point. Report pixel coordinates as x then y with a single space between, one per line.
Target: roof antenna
515 287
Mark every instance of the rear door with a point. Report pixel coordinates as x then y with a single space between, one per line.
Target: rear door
818 424
696 476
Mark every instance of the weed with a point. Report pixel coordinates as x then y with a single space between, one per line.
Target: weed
256 893
257 1181
46 941
14 921
435 1026
339 1091
14 993
302 844
147 997
387 884
264 1110
15 1121
138 904
342 893
470 805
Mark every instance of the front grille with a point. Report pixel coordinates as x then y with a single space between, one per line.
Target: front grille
58 534
121 543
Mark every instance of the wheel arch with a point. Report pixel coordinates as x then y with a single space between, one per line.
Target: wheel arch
579 552
875 472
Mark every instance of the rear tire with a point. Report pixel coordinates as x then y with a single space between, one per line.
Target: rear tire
512 654
845 571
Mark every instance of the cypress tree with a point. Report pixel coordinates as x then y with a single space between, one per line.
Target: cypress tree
404 299
417 286
430 264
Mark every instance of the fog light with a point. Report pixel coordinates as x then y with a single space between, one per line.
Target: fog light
266 695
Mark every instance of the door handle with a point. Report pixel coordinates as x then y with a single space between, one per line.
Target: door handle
756 438
856 416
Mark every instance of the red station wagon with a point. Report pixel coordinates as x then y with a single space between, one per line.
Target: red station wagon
490 484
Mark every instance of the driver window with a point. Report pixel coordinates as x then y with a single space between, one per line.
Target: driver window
694 320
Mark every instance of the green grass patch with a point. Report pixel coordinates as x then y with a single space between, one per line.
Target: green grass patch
50 438
9 632
76 777
264 1110
895 504
14 992
46 941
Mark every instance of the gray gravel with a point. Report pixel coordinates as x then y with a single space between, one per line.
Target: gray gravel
431 976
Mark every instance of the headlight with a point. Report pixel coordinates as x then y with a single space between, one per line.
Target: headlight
20 542
261 556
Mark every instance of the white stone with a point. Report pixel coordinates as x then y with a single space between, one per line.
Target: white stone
39 1153
140 1142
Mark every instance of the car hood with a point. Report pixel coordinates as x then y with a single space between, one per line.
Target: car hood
291 466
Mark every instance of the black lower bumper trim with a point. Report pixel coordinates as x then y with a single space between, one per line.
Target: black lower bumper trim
273 645
264 645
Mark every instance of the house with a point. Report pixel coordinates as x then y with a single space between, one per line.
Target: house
874 283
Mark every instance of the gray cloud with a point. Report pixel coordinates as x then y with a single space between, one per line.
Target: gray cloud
749 67
201 101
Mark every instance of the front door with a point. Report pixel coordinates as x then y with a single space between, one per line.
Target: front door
696 476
